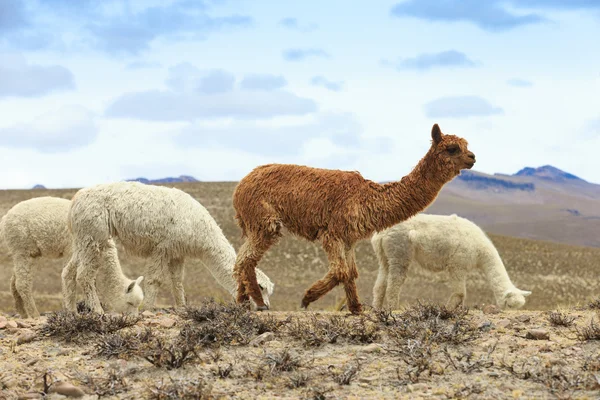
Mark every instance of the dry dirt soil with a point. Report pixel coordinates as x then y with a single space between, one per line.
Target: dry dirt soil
496 360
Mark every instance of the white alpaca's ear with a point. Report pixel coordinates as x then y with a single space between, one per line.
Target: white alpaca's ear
436 134
525 293
130 287
139 280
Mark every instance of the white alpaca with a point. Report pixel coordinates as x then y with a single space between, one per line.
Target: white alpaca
163 224
37 228
440 243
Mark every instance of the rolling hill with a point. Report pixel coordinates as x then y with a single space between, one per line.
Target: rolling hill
542 203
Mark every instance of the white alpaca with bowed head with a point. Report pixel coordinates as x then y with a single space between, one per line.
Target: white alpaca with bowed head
440 243
35 229
163 224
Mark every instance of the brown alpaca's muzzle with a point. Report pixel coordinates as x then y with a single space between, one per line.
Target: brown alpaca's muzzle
470 162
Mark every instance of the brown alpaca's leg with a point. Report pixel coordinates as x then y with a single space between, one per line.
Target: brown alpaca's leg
337 270
245 269
320 288
350 283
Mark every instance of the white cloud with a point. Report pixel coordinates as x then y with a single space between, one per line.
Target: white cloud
20 79
62 130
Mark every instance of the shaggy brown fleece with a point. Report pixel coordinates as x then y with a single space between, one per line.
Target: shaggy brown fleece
338 208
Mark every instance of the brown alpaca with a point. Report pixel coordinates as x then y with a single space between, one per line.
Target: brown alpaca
338 208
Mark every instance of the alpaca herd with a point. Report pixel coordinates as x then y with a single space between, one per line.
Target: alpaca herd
167 225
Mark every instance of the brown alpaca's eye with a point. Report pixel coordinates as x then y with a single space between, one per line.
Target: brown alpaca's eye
452 149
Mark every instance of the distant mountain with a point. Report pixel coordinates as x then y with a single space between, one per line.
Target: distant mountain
547 172
480 181
542 203
38 186
182 178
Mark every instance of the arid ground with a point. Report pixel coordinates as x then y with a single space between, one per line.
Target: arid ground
420 352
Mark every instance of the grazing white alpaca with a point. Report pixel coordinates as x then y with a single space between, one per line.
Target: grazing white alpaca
440 243
163 224
37 228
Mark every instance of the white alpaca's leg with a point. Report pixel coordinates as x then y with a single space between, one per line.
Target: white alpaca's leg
69 284
24 285
176 272
458 285
154 278
17 297
87 270
380 286
396 276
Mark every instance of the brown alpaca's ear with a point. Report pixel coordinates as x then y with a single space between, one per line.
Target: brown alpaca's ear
436 134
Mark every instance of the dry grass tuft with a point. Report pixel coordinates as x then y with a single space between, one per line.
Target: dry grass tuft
70 326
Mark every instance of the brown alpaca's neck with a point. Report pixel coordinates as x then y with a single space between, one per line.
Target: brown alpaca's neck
397 201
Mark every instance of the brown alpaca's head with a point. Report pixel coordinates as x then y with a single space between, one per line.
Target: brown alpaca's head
450 151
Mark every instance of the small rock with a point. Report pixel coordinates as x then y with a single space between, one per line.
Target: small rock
503 323
167 322
372 348
491 309
262 339
557 361
12 324
27 396
524 318
575 348
147 313
417 387
493 375
66 389
3 324
9 381
485 326
3 318
368 379
538 334
32 362
23 324
26 336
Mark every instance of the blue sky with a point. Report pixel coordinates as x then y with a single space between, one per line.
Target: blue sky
94 92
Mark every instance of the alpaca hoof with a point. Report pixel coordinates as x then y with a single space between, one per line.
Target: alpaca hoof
262 308
356 309
304 304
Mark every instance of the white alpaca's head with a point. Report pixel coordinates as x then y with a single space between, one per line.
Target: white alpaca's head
132 299
266 288
514 298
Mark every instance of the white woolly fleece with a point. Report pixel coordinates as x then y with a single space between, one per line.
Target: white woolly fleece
35 229
440 243
163 224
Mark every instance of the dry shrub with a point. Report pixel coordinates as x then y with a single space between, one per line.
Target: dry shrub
346 376
590 332
298 380
221 324
169 354
317 330
190 388
283 361
70 326
123 345
429 323
112 384
559 318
